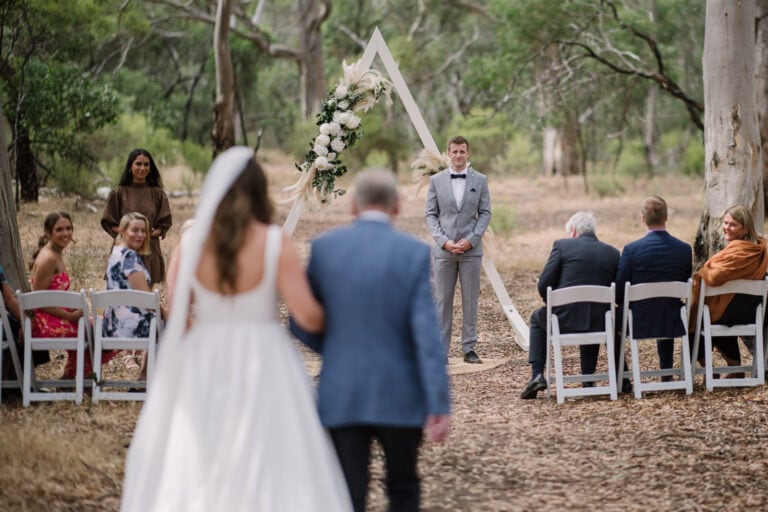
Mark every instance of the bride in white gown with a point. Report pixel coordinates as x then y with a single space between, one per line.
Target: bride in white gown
230 421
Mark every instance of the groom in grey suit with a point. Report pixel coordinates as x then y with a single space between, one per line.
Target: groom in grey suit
458 212
383 374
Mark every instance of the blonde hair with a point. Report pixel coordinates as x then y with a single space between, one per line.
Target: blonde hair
131 216
655 211
743 216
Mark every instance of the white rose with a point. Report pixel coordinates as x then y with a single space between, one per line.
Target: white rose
322 140
321 163
344 105
343 118
325 129
341 92
353 122
334 128
320 150
337 145
331 156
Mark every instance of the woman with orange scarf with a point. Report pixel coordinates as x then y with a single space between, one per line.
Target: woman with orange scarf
744 257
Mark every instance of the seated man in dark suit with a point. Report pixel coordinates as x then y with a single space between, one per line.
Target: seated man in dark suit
656 257
580 259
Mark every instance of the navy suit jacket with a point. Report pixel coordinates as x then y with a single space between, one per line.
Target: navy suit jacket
656 257
383 361
574 262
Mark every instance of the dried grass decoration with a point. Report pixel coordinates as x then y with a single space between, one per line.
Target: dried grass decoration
358 91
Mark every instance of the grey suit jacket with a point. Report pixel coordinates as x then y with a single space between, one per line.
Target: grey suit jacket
446 221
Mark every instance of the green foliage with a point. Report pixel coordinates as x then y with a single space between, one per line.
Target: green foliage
112 144
73 179
605 185
693 158
59 105
197 157
503 219
488 137
522 156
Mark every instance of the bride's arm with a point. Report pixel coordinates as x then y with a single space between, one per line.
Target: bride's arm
294 287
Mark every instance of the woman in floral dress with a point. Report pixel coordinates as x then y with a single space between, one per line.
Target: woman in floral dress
126 271
50 273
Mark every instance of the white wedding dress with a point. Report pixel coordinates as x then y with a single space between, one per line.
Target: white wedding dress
230 422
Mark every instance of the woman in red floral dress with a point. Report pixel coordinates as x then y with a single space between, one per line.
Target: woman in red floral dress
50 273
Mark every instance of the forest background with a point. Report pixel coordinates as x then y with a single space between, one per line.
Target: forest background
608 90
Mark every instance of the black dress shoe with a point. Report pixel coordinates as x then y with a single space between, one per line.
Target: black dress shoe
472 357
536 384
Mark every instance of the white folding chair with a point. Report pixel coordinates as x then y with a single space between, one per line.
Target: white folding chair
637 292
131 298
7 343
571 295
704 326
30 301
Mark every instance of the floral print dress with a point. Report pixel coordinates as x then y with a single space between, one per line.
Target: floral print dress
125 321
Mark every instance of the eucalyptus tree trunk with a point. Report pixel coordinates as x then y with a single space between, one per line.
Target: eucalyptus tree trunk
10 241
649 134
223 133
731 136
761 85
312 13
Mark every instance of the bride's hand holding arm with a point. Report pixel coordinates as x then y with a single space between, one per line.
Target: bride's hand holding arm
293 285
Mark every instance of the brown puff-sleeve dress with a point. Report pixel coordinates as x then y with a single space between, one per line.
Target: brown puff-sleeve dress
150 201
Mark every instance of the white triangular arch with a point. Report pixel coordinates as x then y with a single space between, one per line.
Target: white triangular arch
377 46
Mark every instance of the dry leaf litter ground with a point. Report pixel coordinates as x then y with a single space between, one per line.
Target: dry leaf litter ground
667 451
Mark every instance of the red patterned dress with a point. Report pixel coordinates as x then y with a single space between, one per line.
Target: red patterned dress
50 326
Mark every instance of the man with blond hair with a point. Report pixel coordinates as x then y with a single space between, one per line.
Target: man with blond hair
656 257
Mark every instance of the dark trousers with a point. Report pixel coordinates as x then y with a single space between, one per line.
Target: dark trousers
741 310
537 350
666 350
401 451
38 356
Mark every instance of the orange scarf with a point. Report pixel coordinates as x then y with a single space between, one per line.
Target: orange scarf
739 259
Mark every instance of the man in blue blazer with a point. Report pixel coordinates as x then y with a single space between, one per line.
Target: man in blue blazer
384 369
580 259
656 257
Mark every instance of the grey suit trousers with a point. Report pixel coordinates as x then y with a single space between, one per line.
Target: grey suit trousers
446 270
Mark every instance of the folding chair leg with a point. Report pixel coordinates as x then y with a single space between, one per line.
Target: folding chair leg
685 366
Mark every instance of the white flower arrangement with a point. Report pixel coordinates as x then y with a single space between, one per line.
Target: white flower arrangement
358 90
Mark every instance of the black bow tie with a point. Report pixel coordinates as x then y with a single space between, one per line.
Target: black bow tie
458 176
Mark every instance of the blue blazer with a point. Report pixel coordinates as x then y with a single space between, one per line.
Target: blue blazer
383 361
658 256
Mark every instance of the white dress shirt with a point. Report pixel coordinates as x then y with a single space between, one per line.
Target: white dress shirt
458 186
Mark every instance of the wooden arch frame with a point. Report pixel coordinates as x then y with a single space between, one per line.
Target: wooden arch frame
377 46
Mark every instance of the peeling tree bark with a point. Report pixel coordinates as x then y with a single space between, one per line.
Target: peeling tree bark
761 85
731 138
312 14
10 241
223 133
